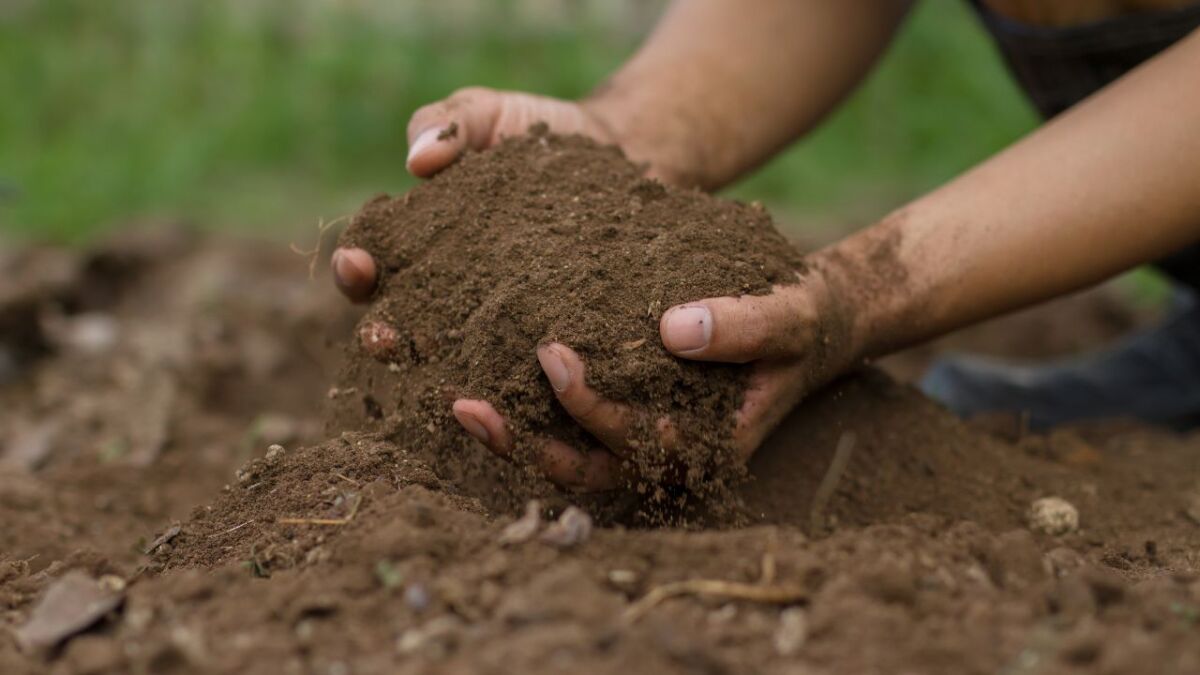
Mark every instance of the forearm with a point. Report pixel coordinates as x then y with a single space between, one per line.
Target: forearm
1109 185
721 85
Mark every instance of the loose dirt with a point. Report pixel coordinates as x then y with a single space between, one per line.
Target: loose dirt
557 239
163 436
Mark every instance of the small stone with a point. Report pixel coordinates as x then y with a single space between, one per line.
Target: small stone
111 583
622 577
274 452
1054 516
573 527
417 597
439 634
71 604
524 528
792 632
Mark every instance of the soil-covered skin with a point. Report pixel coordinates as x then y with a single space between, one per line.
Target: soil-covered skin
557 239
909 549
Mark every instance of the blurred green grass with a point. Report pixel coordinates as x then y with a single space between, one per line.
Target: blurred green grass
273 113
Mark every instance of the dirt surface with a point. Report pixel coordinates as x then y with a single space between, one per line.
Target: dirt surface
171 503
557 239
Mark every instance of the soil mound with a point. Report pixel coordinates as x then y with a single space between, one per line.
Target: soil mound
359 555
557 239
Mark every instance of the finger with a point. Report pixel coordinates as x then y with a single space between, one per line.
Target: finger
773 390
482 422
353 273
741 329
591 471
609 422
439 132
559 462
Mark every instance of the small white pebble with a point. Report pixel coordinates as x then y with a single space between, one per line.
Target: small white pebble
622 577
1053 516
792 632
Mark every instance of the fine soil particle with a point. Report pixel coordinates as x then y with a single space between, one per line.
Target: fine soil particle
558 239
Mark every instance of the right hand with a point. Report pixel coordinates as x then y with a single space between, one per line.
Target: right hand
472 118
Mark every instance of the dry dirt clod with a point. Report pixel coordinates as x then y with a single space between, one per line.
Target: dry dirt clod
572 528
1054 516
72 604
524 528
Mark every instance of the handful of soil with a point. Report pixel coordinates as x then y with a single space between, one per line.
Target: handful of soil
547 238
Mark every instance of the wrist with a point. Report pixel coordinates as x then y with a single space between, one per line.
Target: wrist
840 337
868 290
629 122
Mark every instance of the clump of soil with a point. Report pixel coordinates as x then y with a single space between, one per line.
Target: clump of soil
558 239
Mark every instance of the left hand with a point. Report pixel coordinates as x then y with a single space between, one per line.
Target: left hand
794 342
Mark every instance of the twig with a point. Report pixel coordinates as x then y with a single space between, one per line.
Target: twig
233 529
734 590
348 479
323 521
841 457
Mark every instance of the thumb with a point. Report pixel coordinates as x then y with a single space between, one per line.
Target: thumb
439 132
741 329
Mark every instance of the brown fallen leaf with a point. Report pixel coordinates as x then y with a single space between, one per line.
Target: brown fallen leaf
72 604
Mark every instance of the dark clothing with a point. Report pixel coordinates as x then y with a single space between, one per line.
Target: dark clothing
1060 66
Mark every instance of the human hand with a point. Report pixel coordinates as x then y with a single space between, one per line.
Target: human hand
794 338
473 118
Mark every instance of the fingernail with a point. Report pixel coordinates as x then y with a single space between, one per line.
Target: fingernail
343 269
424 140
687 329
472 425
555 368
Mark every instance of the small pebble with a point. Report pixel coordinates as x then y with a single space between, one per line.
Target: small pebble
622 577
417 597
1054 516
524 528
792 632
573 527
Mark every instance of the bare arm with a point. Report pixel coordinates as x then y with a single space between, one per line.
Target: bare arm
1111 184
720 85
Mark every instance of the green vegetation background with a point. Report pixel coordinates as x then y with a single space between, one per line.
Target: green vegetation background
271 114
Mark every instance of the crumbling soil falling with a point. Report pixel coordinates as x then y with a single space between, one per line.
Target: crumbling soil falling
557 239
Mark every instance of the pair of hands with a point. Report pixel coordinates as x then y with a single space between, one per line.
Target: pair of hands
780 333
